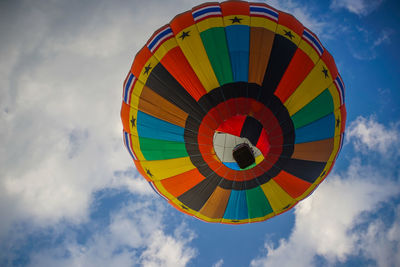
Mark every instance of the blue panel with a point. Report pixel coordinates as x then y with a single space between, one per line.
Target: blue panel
318 130
237 206
152 127
238 44
232 165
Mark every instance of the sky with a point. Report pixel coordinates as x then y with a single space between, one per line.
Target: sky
69 192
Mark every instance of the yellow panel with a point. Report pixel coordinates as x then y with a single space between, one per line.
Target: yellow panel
283 29
338 122
277 197
263 23
193 49
272 214
210 23
310 88
136 91
244 20
309 50
136 145
259 158
135 94
161 169
164 48
151 63
335 95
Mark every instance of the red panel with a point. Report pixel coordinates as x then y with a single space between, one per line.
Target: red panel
140 60
330 63
263 143
298 69
223 111
294 186
235 8
178 66
181 21
290 22
343 114
233 125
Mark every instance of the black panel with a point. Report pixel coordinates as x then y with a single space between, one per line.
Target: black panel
281 55
251 129
307 170
164 84
196 197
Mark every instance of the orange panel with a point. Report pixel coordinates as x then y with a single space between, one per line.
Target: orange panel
291 184
314 151
179 184
216 204
261 41
140 169
157 106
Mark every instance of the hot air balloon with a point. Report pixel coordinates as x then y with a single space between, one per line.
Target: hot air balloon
233 112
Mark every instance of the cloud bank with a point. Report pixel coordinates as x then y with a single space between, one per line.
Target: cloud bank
341 218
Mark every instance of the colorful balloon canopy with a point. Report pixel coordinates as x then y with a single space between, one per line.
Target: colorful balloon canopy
233 112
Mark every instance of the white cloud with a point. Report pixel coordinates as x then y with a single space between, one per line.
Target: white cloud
341 218
61 74
369 135
303 13
325 221
365 44
384 38
219 263
359 7
381 242
134 237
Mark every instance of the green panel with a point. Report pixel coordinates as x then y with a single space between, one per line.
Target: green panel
321 106
257 203
214 41
154 149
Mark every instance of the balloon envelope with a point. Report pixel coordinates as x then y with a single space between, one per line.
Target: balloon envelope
233 112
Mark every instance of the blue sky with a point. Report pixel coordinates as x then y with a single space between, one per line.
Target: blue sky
70 196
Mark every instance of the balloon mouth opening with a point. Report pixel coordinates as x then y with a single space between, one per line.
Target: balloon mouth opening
240 142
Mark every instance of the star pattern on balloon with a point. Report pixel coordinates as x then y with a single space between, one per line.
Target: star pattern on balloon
147 69
176 133
289 34
184 35
325 71
236 20
149 173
